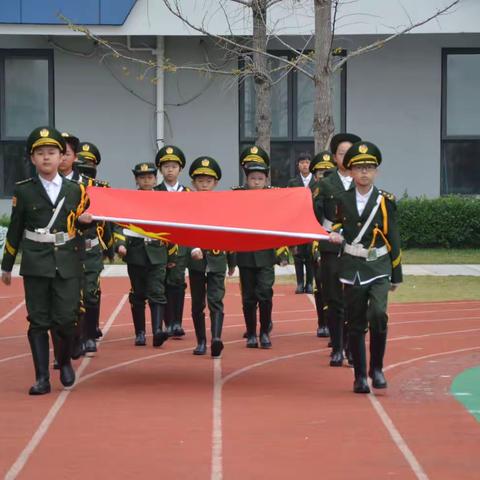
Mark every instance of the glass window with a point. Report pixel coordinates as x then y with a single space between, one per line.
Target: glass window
463 100
279 100
460 122
26 101
26 95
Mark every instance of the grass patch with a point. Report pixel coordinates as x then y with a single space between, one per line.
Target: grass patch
441 256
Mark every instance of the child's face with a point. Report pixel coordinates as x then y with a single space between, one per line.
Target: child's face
256 180
204 183
170 171
46 159
146 181
304 167
66 165
341 151
364 174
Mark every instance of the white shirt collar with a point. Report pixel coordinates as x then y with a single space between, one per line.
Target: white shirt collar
364 197
173 188
346 180
57 181
70 175
306 180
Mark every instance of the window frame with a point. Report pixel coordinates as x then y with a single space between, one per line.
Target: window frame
444 137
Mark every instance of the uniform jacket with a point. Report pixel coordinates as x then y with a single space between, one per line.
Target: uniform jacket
298 182
32 209
383 230
213 261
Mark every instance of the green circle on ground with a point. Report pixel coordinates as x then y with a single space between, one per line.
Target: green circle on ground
466 389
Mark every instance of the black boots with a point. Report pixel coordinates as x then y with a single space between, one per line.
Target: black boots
138 315
200 333
335 326
78 348
67 373
357 348
92 314
378 342
299 274
158 314
217 324
40 353
174 311
250 314
265 308
322 330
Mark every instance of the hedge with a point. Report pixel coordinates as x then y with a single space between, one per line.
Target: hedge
448 222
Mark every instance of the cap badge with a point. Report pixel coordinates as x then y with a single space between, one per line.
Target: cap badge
169 150
65 134
86 147
326 157
254 150
205 162
363 149
143 167
44 132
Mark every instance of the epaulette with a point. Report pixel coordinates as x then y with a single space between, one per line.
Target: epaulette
239 187
186 189
21 182
102 183
388 196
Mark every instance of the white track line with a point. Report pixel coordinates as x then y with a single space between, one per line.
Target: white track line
24 456
12 311
217 431
14 357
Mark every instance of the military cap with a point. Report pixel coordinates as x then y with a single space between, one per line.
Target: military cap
72 140
45 136
143 168
89 152
322 161
340 138
84 167
205 166
170 153
362 153
250 167
254 154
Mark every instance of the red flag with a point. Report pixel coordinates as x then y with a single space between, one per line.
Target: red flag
240 220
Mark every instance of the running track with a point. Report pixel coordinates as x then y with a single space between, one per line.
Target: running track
139 412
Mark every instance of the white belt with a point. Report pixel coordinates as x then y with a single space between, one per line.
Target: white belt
327 225
90 243
59 238
130 233
370 254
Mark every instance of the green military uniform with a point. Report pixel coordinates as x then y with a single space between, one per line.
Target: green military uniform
51 265
329 189
207 277
98 241
146 261
322 162
370 262
175 282
302 254
257 272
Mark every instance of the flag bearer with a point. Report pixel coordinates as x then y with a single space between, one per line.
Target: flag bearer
207 269
170 160
370 265
147 261
45 212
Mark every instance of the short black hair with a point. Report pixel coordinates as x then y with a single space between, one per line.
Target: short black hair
304 156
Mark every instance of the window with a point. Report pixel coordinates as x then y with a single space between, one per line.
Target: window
460 121
292 117
26 102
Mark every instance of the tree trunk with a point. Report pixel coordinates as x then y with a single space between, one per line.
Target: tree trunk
322 117
263 87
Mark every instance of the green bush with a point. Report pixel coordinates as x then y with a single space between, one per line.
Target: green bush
448 222
4 220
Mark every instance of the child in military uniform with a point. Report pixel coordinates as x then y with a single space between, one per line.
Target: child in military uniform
98 243
147 261
370 265
257 274
321 163
45 212
207 269
170 160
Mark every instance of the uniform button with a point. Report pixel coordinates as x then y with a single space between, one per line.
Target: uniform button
359 224
55 248
53 209
54 230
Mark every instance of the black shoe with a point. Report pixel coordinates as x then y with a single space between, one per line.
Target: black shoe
360 385
159 338
90 346
67 373
336 359
216 347
78 349
140 340
40 388
378 378
158 315
177 331
169 330
308 288
56 366
245 334
40 354
349 357
322 332
98 333
265 340
252 341
299 288
201 348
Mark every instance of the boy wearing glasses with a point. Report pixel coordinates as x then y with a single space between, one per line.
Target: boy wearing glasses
370 265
